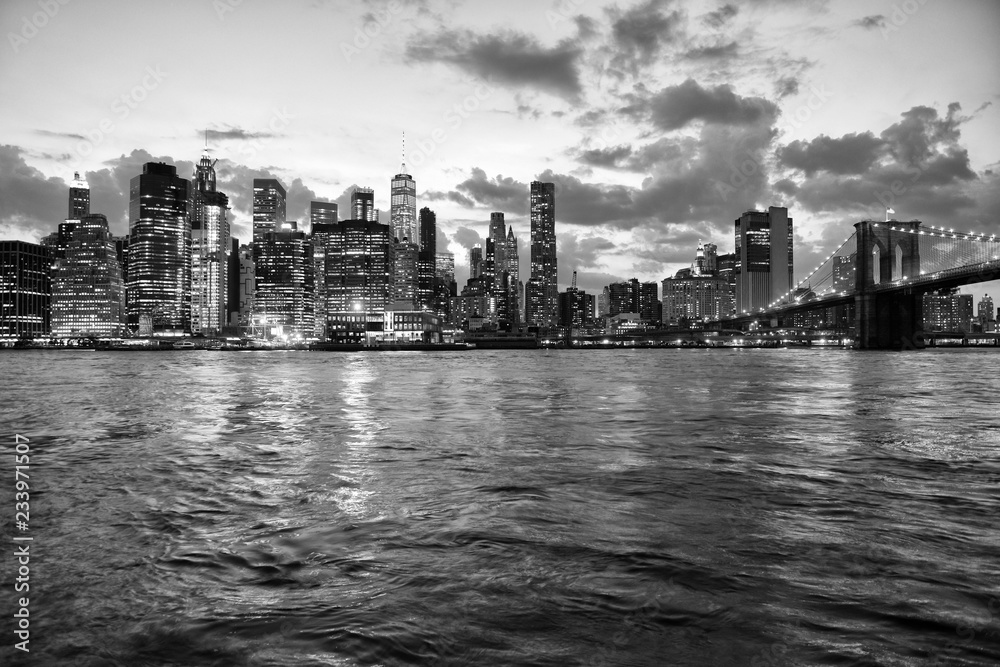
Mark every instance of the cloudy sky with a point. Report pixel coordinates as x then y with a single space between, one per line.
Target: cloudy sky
660 121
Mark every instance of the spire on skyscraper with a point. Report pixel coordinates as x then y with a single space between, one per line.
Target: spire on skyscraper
402 168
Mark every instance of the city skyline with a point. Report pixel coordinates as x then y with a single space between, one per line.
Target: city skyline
761 109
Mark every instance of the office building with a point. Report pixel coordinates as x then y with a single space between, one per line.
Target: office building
79 198
706 259
542 290
427 261
88 295
763 258
159 252
322 229
323 213
576 307
476 261
360 264
268 207
25 291
689 298
284 267
405 275
247 285
210 247
363 205
947 310
403 207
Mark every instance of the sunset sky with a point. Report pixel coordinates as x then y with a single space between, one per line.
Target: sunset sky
659 121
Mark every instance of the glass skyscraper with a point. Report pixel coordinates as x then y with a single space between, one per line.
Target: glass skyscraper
268 207
159 252
284 268
763 258
403 207
88 295
210 248
542 291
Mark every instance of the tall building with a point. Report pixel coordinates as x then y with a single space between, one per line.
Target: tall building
403 207
763 258
706 259
284 268
427 261
689 297
445 285
323 213
727 270
88 295
947 310
542 291
476 261
322 229
159 252
247 285
985 312
363 205
268 207
576 307
233 284
405 275
79 198
648 299
498 232
359 268
511 265
210 247
25 290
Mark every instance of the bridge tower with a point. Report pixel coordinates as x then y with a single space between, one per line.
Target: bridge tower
888 253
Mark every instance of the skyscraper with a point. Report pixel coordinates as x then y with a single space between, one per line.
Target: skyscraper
159 251
542 291
323 213
88 296
706 259
476 261
405 275
210 246
763 258
498 232
268 207
363 205
403 206
322 229
284 268
79 198
427 260
25 290
359 266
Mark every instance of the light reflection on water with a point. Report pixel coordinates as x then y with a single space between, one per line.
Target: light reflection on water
551 508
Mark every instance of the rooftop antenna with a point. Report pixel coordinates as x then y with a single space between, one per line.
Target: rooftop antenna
403 170
573 287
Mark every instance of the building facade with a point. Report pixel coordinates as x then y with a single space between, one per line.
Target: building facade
88 295
159 252
763 267
210 247
25 291
542 290
284 268
269 208
403 207
427 261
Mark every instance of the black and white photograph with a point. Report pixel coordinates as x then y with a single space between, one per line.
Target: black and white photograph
542 333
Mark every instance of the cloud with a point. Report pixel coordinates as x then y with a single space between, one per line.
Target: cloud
32 205
509 58
606 157
468 237
721 16
235 133
497 194
576 252
61 135
850 154
452 196
873 22
676 106
640 34
786 86
712 52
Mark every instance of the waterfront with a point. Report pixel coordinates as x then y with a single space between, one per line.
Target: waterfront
607 507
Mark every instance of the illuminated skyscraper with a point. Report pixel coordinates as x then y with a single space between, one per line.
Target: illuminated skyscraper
403 206
405 275
323 213
159 251
284 268
363 205
512 267
79 198
268 207
763 258
476 261
25 290
359 278
542 290
324 223
498 232
210 246
88 296
427 260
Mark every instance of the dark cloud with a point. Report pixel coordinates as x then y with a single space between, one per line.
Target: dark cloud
236 133
606 157
452 196
640 34
497 194
510 58
468 237
920 168
576 252
873 22
786 86
721 16
32 205
850 154
61 135
676 106
712 52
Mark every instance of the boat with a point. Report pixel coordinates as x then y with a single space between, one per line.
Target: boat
184 345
